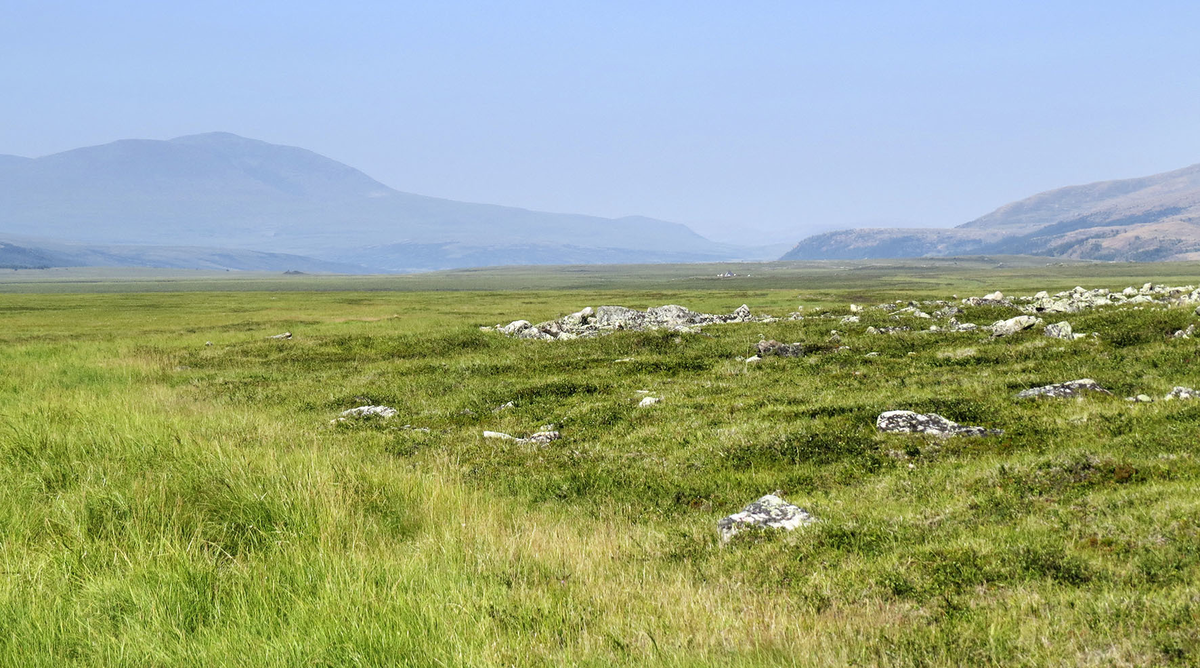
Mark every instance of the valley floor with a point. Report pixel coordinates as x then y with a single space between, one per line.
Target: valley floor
169 502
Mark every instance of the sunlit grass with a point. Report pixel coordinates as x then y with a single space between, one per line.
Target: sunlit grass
167 502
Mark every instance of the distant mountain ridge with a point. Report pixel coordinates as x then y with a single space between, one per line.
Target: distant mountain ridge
219 190
1142 219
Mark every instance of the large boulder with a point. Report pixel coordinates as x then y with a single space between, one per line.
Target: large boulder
1059 330
1014 325
1071 388
909 422
768 512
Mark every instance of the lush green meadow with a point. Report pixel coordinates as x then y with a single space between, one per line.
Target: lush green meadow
167 502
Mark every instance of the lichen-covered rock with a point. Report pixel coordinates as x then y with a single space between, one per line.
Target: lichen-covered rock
768 512
514 327
1180 392
1060 330
1072 388
909 422
540 438
366 412
773 347
1014 325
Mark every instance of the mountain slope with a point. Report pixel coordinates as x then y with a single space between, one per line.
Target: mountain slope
22 253
223 190
1143 219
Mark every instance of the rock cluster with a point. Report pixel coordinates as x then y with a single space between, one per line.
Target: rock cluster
1072 388
908 422
1081 299
1182 393
607 319
768 512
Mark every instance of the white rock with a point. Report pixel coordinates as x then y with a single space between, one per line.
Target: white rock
648 401
1014 325
515 327
768 512
499 435
1059 330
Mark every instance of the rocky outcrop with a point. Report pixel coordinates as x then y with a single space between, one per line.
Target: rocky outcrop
607 319
768 512
909 422
1073 388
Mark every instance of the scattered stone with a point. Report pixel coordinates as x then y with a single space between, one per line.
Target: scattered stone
955 326
752 360
208 343
539 438
849 319
1180 392
908 422
366 412
504 407
1059 330
281 337
607 319
648 401
855 308
871 354
499 435
1141 398
1073 388
773 347
1186 333
1014 325
768 512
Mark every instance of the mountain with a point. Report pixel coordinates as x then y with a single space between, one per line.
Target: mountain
1143 219
22 253
220 190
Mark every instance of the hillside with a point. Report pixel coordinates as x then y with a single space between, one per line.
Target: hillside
224 191
1143 219
20 253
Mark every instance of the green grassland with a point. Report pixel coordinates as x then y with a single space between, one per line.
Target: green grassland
167 502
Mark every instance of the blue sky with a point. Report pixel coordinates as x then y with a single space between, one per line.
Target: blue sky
759 121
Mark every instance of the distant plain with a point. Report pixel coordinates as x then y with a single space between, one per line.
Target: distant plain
170 502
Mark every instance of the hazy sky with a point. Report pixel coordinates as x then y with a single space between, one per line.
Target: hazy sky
762 121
